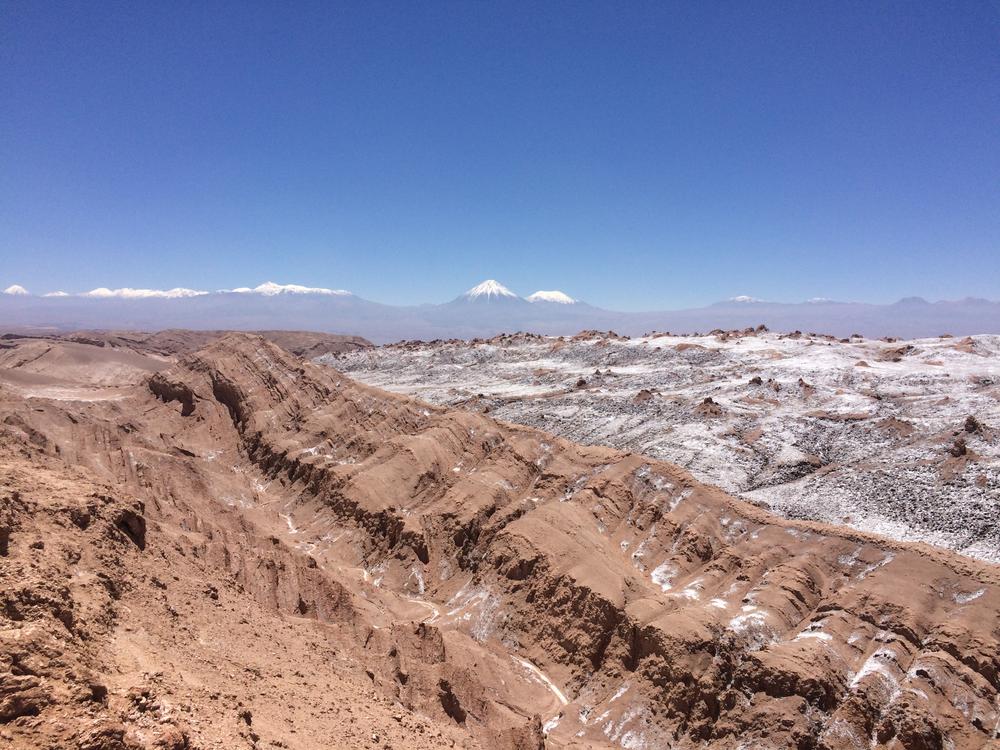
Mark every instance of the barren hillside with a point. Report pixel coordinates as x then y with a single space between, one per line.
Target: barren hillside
244 549
898 437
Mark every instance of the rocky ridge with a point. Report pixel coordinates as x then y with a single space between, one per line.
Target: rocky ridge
806 425
269 554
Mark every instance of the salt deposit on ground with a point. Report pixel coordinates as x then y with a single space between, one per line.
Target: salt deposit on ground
873 434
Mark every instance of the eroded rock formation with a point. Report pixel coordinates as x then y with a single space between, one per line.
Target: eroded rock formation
248 550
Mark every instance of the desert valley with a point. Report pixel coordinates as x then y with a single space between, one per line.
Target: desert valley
216 540
499 375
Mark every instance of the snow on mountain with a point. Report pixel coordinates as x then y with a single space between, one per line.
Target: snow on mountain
744 298
489 288
130 293
485 310
553 295
269 289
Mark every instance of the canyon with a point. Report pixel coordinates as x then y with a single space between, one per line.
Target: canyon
224 545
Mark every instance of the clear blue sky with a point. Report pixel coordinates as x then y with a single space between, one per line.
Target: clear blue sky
634 155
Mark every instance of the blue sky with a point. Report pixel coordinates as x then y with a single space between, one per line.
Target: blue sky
636 155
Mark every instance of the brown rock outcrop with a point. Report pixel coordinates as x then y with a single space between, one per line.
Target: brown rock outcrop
367 557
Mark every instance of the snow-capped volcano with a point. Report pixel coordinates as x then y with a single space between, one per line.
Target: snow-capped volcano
489 289
485 310
553 295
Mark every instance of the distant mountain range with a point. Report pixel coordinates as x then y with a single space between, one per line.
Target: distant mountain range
485 310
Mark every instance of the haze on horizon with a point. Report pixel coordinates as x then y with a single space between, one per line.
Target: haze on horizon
657 157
